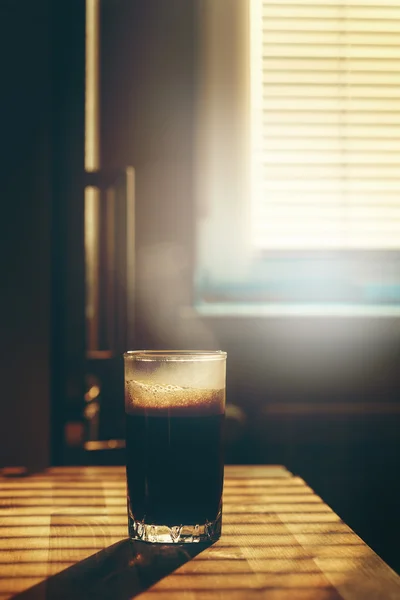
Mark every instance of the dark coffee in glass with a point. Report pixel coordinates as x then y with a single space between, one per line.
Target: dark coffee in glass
174 445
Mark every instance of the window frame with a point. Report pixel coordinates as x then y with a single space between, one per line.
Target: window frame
226 265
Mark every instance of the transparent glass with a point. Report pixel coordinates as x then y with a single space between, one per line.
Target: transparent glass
175 407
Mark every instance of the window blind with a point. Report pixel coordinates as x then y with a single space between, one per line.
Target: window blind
325 124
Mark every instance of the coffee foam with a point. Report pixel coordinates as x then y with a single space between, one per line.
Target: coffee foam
165 399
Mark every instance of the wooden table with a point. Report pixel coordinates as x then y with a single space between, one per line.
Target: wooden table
63 535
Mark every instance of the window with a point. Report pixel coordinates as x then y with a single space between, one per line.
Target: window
299 153
325 129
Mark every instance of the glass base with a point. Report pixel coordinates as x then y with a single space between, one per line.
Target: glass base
178 534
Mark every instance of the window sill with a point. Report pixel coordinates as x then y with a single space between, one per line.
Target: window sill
236 309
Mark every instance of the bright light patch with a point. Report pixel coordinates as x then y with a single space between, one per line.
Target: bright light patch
325 126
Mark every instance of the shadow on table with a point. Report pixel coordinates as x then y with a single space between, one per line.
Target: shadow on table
119 572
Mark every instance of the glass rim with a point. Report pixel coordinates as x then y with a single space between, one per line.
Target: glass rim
175 355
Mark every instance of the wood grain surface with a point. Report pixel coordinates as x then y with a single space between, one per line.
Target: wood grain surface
64 535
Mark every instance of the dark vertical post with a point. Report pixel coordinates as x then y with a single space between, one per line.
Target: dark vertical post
68 280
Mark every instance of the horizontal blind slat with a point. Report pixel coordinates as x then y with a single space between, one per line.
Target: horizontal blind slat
306 171
316 128
318 226
329 185
345 159
339 104
289 243
334 3
380 201
332 144
331 51
314 211
372 78
328 38
298 23
341 91
322 64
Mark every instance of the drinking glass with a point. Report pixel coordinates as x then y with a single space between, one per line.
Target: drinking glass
175 406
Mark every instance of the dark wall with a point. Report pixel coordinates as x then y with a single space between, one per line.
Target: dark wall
68 259
147 121
25 233
41 239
